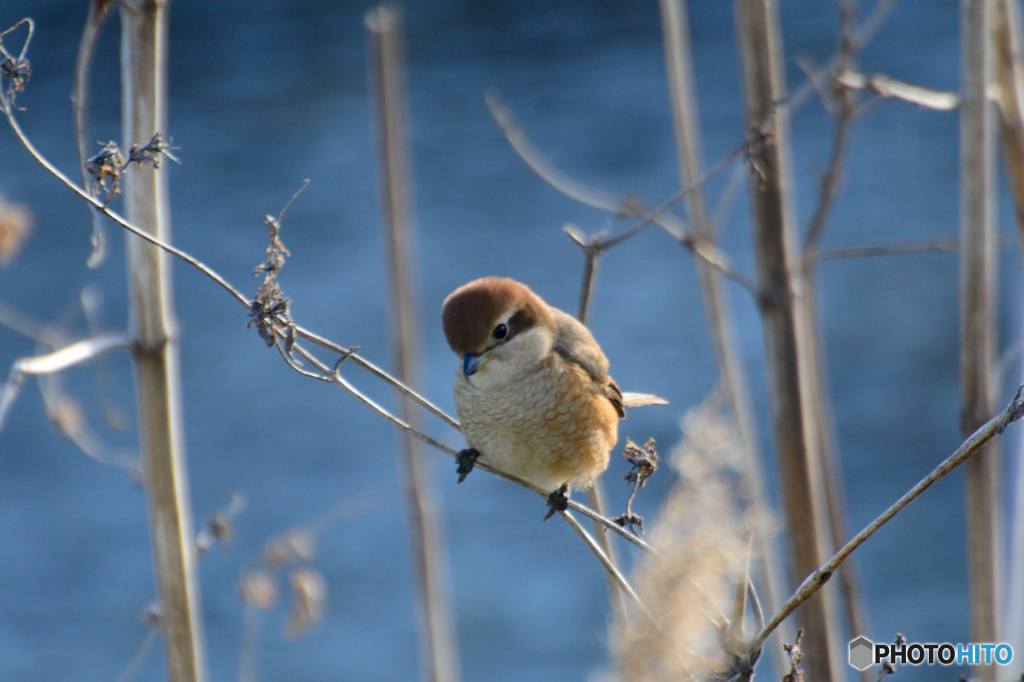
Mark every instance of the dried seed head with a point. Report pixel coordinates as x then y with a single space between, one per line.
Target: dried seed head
259 589
220 529
309 596
15 227
298 546
149 154
105 169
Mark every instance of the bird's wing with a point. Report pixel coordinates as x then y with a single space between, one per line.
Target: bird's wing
575 344
612 392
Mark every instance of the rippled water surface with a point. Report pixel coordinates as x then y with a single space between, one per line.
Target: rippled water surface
266 93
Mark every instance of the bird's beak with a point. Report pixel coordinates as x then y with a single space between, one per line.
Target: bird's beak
470 364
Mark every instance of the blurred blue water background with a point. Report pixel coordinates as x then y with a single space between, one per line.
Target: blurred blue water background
265 93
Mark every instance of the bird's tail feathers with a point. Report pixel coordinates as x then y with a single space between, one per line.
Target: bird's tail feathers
641 399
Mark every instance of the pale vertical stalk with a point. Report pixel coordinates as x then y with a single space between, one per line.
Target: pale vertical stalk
679 66
384 26
1009 76
595 493
978 317
786 327
818 398
154 333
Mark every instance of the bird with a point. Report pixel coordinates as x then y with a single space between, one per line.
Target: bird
532 389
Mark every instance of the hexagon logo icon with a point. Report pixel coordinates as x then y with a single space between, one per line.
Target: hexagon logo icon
860 653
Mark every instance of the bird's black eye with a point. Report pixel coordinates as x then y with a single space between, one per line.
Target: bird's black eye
500 332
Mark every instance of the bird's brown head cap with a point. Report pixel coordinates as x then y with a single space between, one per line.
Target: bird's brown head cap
471 312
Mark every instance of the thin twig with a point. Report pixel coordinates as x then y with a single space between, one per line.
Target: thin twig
20 323
609 566
53 362
134 666
970 447
96 203
626 207
844 115
798 97
326 375
98 12
329 376
379 373
885 250
595 493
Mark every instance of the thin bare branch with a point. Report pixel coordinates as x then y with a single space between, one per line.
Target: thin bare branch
20 323
542 167
931 245
798 97
96 203
590 246
335 378
134 667
379 373
53 362
844 112
609 566
814 582
885 86
98 12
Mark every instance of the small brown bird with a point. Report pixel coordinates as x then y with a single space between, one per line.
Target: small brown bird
532 388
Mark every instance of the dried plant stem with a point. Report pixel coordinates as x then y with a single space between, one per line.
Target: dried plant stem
785 321
217 278
143 63
53 362
595 493
98 12
978 268
608 564
127 224
324 372
134 666
842 105
678 57
384 26
1009 77
929 246
970 447
376 371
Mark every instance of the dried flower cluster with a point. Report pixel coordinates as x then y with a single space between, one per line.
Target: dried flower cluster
15 227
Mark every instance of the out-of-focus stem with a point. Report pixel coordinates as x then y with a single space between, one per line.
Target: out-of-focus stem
786 332
978 267
154 333
595 493
384 26
679 65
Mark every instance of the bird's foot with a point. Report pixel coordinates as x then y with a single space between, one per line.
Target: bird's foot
464 462
558 501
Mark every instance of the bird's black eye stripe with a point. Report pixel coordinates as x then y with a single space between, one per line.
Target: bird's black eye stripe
500 332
